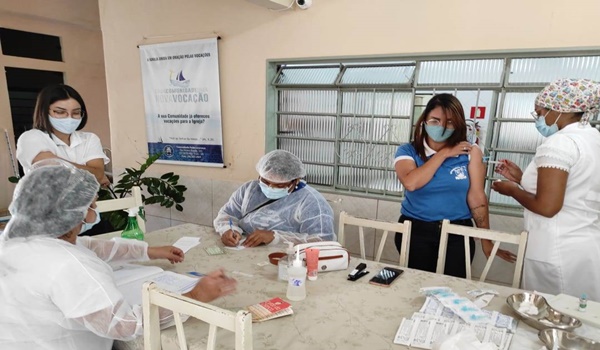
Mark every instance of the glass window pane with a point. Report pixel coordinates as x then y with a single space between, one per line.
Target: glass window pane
376 102
307 126
465 72
308 101
31 45
309 151
367 129
307 76
544 70
369 180
378 75
519 136
367 155
319 174
518 105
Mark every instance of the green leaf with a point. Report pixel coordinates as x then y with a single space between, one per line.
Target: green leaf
14 179
178 207
166 176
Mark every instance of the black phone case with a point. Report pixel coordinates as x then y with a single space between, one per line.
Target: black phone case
386 282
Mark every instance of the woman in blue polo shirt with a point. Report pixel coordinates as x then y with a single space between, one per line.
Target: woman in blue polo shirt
443 177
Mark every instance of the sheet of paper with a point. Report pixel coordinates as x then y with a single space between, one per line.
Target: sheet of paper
239 246
130 279
187 243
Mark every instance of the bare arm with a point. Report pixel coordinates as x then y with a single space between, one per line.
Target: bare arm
549 197
476 198
479 204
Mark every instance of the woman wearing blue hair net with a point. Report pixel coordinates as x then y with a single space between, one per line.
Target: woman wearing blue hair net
56 289
276 208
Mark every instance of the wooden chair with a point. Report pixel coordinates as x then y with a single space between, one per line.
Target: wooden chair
404 228
152 298
496 236
124 203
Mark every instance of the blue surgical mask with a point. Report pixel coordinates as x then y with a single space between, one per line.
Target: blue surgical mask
88 225
437 132
65 125
273 193
543 128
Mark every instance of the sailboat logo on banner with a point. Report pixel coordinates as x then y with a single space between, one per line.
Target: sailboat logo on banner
180 80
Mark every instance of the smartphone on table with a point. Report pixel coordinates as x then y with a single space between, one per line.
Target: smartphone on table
386 276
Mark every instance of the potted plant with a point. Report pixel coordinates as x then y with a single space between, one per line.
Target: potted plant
164 190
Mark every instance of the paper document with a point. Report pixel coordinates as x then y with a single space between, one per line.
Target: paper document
239 246
187 243
130 278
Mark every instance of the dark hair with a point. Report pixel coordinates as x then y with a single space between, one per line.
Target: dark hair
48 96
454 112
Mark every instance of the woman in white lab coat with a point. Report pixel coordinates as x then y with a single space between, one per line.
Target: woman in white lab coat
560 191
57 291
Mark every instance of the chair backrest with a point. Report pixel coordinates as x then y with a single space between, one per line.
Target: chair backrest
124 203
496 236
404 228
153 297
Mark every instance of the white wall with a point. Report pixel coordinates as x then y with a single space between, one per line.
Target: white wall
252 34
77 23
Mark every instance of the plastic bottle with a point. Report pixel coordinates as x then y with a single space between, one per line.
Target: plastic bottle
290 253
132 230
296 289
582 302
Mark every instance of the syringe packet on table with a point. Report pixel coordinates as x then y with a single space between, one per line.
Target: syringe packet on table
424 332
434 308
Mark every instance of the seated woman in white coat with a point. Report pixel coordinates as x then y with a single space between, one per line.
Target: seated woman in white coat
59 114
57 291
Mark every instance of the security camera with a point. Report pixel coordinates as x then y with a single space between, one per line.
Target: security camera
304 4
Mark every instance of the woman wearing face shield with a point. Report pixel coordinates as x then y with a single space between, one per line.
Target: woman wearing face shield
276 208
56 289
560 191
443 177
59 115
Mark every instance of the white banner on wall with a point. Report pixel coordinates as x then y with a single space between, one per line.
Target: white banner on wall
183 102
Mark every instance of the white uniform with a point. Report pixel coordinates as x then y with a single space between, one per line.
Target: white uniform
563 252
56 295
84 147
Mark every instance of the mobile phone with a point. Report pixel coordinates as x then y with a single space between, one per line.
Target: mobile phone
386 276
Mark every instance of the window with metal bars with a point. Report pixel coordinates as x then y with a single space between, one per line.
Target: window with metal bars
345 119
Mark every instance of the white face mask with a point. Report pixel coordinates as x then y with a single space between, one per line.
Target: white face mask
65 125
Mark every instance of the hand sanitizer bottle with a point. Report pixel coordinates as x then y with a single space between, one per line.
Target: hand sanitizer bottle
132 230
296 289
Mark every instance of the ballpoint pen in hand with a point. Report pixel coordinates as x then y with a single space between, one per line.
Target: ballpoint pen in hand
235 234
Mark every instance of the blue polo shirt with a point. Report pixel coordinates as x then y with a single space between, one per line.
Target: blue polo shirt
445 195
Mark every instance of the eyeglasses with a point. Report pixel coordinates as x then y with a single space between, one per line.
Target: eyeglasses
437 122
275 185
62 113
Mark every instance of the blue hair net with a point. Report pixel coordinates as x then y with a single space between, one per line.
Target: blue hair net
280 166
50 200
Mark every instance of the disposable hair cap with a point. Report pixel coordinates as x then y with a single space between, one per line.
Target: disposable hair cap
50 200
280 166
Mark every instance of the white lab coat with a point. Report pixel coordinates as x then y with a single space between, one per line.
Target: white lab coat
56 295
85 146
563 252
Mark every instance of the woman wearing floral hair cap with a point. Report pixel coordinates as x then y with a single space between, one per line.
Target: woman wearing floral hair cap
560 191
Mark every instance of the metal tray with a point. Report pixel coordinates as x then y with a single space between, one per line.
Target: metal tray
556 339
547 317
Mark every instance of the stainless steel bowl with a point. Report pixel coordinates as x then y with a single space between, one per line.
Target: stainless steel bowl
547 317
556 339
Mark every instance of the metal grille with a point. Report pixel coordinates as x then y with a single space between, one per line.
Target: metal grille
345 121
